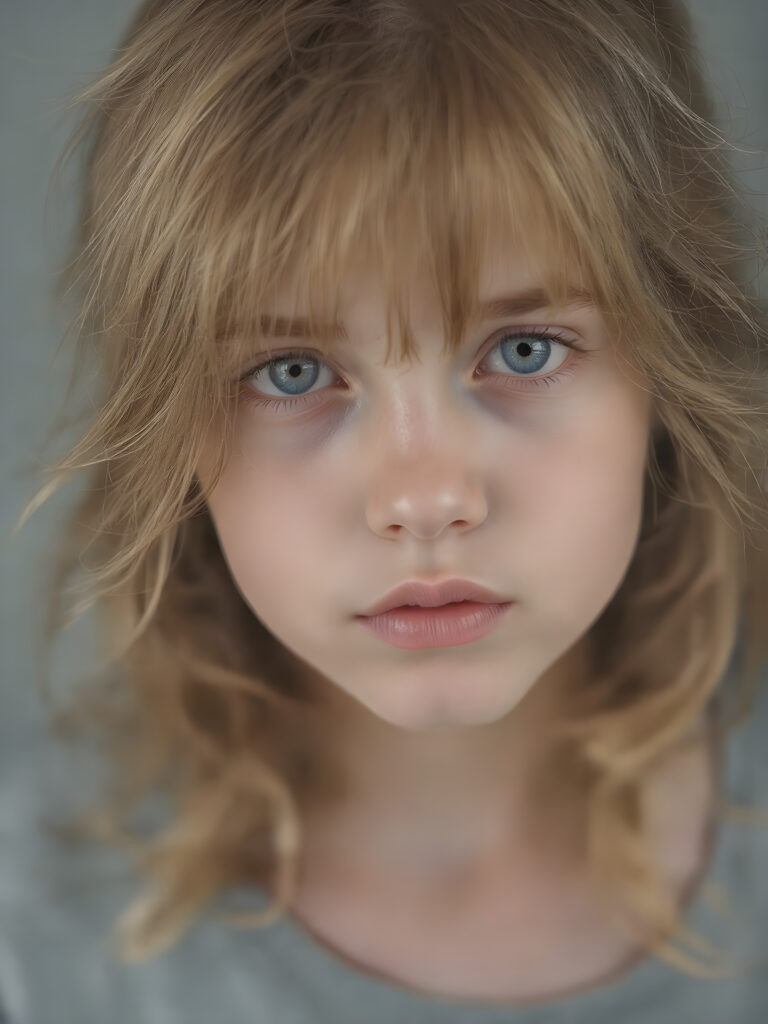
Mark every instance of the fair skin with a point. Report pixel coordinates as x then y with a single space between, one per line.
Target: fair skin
425 471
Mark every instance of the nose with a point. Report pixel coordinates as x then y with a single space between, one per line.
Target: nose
425 464
426 496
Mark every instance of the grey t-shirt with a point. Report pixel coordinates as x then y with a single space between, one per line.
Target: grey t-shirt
57 905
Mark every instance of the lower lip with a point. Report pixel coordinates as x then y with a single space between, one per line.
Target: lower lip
450 625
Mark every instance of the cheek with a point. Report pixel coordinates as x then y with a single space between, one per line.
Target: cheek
583 512
269 533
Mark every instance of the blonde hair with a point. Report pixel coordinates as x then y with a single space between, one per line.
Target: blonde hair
233 142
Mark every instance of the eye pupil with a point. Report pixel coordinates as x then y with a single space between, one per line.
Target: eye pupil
295 370
524 348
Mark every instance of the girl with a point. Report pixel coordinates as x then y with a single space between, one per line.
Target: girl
426 660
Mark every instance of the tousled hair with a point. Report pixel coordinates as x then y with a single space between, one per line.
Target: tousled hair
234 144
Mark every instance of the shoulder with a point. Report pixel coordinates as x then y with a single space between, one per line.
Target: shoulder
59 902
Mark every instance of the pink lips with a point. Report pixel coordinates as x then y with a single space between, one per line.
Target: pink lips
449 626
432 595
450 614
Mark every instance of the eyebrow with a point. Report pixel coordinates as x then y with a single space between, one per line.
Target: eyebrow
529 301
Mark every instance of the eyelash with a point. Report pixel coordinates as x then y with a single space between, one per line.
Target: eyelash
528 332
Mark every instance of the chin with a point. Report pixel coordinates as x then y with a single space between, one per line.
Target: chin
448 707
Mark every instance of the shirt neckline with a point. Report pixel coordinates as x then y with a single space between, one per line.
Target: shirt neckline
332 968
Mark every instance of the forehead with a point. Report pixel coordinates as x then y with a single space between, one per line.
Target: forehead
510 283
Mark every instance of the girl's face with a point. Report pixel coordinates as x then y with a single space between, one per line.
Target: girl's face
517 464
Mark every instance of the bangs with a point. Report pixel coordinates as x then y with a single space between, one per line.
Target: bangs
418 173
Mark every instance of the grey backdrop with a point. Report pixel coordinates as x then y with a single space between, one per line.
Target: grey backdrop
48 49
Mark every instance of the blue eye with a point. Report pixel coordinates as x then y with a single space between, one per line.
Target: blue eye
520 353
527 353
295 371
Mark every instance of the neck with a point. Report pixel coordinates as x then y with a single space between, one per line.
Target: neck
443 802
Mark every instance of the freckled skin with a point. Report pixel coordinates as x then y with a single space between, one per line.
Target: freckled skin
419 470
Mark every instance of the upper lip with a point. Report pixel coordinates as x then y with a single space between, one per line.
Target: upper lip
431 595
